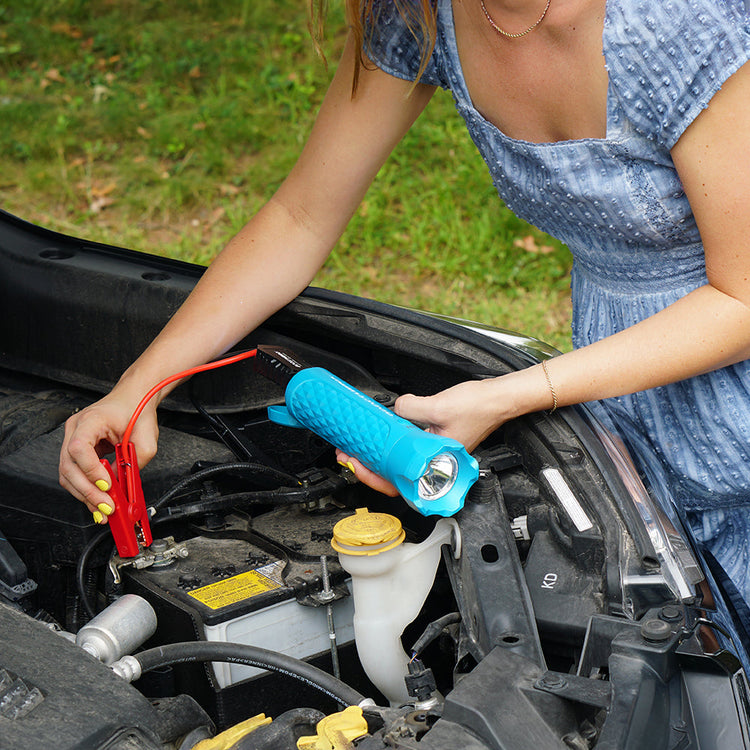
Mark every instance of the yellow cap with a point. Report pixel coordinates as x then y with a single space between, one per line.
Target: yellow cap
337 731
367 533
229 737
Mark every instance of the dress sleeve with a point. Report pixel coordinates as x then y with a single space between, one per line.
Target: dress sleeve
394 48
667 58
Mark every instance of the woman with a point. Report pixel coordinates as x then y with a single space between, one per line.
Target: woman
637 158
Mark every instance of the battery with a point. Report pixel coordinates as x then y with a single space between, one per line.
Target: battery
241 587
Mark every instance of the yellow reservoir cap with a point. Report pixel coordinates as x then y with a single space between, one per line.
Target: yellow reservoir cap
367 533
230 737
337 731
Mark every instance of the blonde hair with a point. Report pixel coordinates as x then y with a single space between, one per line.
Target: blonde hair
361 15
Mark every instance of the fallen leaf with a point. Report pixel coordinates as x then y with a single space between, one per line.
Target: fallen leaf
65 28
99 203
53 74
102 190
529 244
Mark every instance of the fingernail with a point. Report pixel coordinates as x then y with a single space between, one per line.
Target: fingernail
108 510
98 517
102 484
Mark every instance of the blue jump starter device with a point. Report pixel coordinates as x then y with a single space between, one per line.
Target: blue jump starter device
431 472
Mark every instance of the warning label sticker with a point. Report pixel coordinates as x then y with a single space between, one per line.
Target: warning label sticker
235 589
273 571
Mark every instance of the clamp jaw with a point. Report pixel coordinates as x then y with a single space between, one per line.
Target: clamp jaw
129 521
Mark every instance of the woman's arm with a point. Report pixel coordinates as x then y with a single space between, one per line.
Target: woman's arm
707 329
271 260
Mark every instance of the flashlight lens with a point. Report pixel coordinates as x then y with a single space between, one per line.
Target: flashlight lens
439 478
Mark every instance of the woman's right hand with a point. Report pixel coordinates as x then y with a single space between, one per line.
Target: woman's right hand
92 433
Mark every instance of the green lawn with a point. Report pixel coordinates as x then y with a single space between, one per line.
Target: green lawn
164 125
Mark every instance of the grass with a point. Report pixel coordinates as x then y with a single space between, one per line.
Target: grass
163 126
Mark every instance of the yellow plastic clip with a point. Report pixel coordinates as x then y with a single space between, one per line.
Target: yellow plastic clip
337 731
229 737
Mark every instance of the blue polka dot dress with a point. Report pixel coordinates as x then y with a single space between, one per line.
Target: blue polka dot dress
618 204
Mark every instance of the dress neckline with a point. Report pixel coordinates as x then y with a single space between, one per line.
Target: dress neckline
446 7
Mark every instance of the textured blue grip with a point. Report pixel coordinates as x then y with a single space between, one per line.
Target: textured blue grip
343 415
387 444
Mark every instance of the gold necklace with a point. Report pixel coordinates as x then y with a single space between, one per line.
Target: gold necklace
507 33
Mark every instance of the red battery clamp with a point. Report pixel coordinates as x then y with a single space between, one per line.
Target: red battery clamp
129 521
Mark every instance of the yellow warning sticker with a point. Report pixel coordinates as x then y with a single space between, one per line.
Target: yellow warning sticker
235 589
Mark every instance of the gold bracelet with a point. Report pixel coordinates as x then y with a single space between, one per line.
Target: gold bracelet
550 386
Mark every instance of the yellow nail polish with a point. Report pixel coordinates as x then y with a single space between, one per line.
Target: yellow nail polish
347 465
102 484
98 517
108 510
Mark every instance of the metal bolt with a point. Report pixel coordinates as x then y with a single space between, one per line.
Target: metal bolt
552 681
327 593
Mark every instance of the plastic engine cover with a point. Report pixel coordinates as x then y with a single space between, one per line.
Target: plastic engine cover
53 694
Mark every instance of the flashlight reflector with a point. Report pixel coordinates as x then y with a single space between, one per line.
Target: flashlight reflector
439 478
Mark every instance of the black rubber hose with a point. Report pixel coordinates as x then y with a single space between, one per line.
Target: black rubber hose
252 656
278 497
280 476
81 566
433 630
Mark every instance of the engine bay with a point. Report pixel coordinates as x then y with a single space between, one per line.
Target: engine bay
542 593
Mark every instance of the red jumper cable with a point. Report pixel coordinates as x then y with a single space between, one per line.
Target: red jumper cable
129 520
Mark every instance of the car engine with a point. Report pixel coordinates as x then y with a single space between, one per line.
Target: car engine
545 614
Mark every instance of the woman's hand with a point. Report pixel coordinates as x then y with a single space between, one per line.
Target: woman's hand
92 433
467 412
